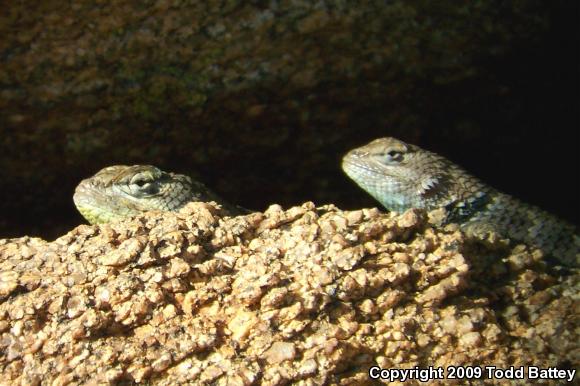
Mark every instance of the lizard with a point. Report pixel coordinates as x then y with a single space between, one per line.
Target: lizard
402 176
120 191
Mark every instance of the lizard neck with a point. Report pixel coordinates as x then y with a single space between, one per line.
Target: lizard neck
467 196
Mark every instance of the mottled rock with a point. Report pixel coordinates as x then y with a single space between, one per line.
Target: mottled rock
312 295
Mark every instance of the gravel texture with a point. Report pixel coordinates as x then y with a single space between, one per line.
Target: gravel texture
309 295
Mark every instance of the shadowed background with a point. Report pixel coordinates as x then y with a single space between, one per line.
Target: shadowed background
260 100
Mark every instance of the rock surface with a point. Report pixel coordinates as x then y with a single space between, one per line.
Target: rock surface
309 295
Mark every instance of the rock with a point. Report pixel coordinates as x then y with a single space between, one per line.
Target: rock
311 295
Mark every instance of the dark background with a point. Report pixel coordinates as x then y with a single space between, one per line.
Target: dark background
260 100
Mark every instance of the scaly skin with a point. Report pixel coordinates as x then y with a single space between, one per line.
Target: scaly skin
402 176
120 191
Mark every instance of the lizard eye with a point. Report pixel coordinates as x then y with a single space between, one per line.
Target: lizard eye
390 157
141 180
140 183
144 184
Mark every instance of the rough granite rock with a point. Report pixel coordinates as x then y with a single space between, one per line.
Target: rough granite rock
309 295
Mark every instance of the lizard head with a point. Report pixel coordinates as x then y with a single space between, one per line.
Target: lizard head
399 175
121 191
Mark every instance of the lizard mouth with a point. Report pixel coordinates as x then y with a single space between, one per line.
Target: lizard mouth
351 165
86 199
85 193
